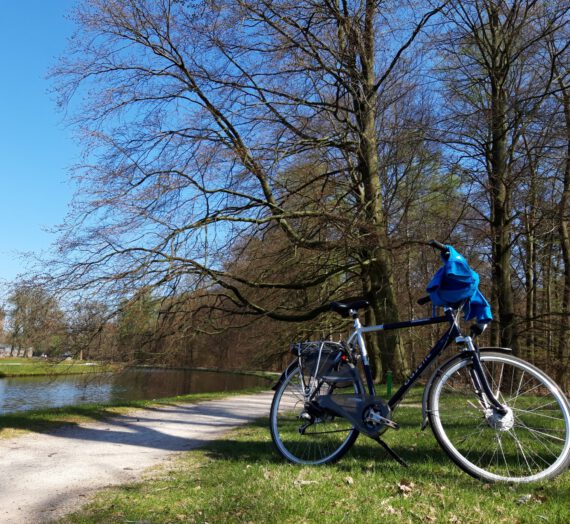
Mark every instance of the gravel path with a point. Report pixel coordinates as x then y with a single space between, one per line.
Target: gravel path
43 476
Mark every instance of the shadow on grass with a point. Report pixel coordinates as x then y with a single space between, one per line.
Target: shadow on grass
172 427
252 450
48 420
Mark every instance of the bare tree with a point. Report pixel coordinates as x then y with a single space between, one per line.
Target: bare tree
559 53
211 123
87 326
496 81
35 320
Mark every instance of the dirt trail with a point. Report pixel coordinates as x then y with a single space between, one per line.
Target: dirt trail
43 476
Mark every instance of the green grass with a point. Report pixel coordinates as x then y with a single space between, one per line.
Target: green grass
19 367
241 479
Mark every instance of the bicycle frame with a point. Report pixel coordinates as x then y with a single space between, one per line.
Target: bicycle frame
452 333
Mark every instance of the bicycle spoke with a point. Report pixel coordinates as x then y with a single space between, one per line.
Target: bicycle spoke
525 392
521 449
313 433
530 454
475 443
537 408
500 441
542 433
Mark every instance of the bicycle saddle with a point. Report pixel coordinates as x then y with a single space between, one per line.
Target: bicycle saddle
346 306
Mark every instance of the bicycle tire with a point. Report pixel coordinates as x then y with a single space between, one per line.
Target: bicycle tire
531 442
324 441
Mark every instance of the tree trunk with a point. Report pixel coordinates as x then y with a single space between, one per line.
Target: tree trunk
550 270
500 198
378 274
530 259
563 347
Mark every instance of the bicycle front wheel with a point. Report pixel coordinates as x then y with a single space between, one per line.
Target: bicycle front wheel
530 442
303 436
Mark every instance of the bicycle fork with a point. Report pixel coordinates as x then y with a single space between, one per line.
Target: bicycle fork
479 379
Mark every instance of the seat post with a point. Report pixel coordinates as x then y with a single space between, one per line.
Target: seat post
363 354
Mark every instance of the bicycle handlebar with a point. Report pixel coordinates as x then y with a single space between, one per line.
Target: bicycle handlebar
424 300
438 245
441 247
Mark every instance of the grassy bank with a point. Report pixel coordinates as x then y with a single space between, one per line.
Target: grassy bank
269 375
241 479
18 367
21 367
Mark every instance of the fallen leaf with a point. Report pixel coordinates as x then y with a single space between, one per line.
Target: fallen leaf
349 481
406 487
388 508
523 499
267 475
304 482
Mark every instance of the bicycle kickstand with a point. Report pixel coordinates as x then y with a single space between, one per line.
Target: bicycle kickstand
391 452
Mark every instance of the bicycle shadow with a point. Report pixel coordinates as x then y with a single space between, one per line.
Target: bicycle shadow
426 453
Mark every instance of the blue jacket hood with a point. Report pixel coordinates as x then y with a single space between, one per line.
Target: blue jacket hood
454 283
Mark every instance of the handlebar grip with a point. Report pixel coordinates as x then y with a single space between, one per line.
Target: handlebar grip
438 245
442 248
424 300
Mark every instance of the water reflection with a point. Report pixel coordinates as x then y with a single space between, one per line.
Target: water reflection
25 393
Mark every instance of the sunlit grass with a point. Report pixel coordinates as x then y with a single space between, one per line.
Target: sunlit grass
13 367
241 478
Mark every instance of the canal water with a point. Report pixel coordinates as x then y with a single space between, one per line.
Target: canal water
25 393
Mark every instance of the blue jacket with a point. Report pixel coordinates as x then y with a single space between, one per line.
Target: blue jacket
456 282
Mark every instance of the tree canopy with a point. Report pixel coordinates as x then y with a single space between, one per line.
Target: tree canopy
258 159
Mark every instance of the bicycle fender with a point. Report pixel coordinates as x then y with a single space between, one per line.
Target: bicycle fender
285 374
429 383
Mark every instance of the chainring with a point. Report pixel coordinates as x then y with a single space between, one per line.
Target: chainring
372 415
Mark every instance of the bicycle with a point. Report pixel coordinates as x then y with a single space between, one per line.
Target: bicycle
496 416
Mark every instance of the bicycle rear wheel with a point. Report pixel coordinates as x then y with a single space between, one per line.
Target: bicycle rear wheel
530 442
303 436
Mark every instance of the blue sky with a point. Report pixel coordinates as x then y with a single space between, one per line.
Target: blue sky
36 150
